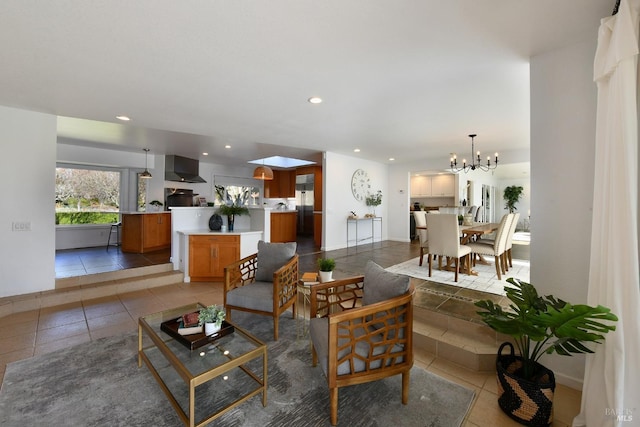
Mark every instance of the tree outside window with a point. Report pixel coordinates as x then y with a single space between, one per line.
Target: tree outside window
87 196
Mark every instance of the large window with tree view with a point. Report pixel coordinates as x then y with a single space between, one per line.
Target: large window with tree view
87 196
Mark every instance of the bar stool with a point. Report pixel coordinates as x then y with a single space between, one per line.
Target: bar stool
115 228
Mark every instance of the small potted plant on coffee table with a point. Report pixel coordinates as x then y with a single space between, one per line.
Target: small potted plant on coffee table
326 267
211 317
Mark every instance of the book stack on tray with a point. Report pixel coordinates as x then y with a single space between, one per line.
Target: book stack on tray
196 339
189 324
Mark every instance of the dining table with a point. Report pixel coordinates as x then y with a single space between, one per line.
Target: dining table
468 233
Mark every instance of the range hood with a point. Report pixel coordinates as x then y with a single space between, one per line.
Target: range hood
181 169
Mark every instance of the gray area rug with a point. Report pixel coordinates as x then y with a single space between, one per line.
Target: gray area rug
100 384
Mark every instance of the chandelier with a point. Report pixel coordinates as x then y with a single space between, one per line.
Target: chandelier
476 163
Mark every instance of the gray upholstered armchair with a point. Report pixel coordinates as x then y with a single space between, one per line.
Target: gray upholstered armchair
362 330
263 283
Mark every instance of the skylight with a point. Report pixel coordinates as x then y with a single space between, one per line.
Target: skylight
281 162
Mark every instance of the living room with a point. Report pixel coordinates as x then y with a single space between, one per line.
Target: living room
561 127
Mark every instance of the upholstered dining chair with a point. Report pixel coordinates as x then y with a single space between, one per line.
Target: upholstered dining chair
421 230
444 241
264 283
497 247
509 244
361 330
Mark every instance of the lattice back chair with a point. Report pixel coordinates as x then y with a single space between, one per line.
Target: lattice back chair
361 330
495 247
263 283
444 241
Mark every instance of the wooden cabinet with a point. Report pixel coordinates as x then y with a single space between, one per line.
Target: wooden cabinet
146 232
282 185
433 186
210 254
283 226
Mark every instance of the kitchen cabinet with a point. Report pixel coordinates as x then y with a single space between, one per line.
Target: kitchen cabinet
210 254
433 186
146 232
283 226
282 185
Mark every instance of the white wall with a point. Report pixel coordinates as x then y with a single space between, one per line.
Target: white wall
338 200
563 115
27 170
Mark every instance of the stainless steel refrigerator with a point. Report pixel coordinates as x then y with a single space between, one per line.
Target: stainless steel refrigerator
304 204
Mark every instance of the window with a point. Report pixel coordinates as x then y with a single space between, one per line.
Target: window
237 195
141 193
87 196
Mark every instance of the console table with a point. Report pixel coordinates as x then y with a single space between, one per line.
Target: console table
353 224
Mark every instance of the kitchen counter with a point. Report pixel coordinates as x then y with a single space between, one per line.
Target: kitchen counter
278 211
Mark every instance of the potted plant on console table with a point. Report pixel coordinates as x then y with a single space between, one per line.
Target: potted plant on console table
538 325
326 267
231 210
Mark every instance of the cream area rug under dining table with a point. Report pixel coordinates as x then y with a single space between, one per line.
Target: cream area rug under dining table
485 281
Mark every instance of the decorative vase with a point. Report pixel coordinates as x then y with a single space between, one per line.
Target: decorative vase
230 219
326 276
212 328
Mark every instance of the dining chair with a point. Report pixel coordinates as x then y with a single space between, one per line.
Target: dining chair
421 230
509 244
444 241
496 247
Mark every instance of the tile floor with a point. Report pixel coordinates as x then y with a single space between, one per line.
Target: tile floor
48 329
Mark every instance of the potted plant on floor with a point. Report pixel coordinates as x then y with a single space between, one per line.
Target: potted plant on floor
512 196
211 317
538 325
230 211
326 267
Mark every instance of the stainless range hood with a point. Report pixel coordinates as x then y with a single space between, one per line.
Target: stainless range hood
181 169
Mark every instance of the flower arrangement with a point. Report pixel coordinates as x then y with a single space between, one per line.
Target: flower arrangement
212 314
374 199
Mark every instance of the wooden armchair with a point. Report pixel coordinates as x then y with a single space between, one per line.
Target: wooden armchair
270 298
358 342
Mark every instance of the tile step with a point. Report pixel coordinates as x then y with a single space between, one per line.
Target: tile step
97 286
466 343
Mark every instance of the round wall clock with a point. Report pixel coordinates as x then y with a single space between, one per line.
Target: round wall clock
360 185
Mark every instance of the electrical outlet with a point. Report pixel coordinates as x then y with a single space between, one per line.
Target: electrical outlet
21 226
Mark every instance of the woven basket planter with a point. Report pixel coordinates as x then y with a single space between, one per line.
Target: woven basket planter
528 402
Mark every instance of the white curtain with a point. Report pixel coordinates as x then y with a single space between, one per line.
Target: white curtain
611 391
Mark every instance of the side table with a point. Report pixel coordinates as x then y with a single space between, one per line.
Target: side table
304 288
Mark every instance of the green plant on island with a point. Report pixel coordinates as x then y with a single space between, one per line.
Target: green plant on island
326 264
230 210
540 325
212 314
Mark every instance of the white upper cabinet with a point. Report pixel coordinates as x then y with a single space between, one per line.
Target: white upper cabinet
433 186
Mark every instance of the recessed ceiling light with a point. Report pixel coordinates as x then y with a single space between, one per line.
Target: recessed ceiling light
391 159
123 118
315 100
227 146
356 150
205 154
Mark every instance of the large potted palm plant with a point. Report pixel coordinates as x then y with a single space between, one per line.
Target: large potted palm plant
538 325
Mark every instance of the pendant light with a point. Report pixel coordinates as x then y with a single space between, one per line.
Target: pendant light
265 173
146 174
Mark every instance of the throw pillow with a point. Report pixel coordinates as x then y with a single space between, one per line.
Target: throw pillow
380 285
272 256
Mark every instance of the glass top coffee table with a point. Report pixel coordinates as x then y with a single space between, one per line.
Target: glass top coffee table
217 376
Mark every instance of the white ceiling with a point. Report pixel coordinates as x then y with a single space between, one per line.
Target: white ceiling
408 79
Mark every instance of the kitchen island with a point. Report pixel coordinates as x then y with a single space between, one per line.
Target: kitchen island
204 254
144 232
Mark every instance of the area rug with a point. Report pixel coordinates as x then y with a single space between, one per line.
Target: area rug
485 281
100 384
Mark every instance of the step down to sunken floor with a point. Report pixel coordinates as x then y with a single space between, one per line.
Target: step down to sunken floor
467 343
74 289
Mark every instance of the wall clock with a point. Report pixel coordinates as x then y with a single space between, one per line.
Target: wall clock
360 185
